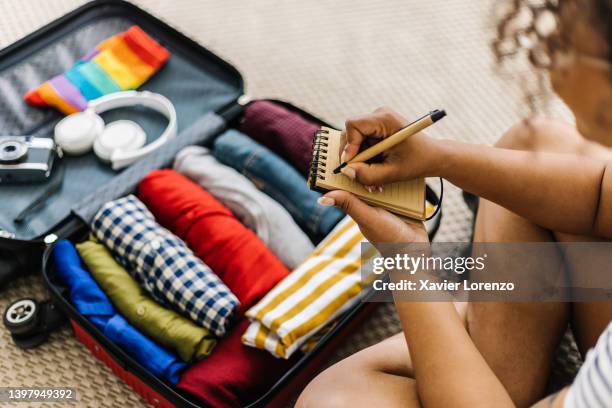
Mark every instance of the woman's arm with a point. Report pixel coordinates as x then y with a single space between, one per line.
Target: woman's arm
449 370
561 192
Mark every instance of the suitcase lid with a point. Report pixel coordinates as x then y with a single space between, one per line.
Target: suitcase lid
194 79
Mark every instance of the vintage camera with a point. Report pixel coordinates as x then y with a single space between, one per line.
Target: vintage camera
25 159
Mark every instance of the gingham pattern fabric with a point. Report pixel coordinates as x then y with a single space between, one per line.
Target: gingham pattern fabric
323 287
163 264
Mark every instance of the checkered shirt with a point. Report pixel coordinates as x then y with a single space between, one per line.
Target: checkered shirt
163 264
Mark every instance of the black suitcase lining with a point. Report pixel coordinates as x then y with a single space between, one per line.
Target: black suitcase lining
196 82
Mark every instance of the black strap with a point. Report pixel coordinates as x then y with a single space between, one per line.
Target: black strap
53 187
439 207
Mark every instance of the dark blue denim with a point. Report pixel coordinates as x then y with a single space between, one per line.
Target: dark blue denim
277 178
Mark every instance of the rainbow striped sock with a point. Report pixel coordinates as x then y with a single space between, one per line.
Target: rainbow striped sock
123 61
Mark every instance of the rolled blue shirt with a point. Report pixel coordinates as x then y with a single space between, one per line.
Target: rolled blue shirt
278 179
92 302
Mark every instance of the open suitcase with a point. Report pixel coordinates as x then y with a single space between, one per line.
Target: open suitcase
208 87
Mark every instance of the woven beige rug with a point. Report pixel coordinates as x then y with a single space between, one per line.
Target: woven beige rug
335 59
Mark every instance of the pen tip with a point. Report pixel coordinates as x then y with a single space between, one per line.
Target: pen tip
340 167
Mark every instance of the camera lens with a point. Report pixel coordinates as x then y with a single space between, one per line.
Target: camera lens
12 150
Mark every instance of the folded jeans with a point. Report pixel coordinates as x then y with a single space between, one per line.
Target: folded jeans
275 177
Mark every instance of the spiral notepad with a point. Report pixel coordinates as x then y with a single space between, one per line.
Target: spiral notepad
406 198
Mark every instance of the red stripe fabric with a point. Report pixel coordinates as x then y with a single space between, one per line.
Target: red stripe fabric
33 98
145 47
232 251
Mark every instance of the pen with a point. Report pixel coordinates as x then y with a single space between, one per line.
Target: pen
395 138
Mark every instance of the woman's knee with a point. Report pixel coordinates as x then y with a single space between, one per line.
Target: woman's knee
330 389
351 382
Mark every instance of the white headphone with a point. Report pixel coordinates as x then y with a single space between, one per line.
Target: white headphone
121 142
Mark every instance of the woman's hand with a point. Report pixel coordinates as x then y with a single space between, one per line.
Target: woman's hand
418 156
377 225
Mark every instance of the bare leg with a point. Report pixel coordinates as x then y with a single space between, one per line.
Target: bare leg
376 376
380 375
518 339
589 319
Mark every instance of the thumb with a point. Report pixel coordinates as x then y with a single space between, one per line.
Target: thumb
359 211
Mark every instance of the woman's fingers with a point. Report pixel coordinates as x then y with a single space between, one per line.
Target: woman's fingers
376 224
356 131
359 211
381 123
374 174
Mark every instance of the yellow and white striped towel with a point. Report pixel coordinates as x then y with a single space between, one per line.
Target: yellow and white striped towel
326 284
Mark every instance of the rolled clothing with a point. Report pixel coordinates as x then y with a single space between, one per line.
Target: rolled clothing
163 325
267 218
285 132
234 375
163 265
232 250
91 302
275 177
327 284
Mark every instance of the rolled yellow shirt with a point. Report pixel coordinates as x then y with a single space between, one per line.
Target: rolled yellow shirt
168 328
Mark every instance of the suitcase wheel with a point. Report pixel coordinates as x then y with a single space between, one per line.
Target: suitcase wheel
30 322
21 317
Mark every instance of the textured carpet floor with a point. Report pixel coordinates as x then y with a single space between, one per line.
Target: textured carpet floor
335 59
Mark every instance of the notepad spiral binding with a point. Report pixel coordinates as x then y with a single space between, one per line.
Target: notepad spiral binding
319 156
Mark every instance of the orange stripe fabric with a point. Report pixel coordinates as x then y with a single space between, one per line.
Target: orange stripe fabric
140 68
52 98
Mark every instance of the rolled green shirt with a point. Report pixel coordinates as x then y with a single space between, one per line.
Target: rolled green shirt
163 325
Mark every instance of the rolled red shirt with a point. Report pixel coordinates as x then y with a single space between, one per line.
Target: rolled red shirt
232 251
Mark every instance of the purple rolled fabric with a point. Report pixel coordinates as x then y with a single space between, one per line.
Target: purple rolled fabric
68 92
286 133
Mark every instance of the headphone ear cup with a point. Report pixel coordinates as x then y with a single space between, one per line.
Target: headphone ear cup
76 133
121 135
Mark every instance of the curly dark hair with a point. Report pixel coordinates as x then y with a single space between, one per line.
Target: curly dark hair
531 29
